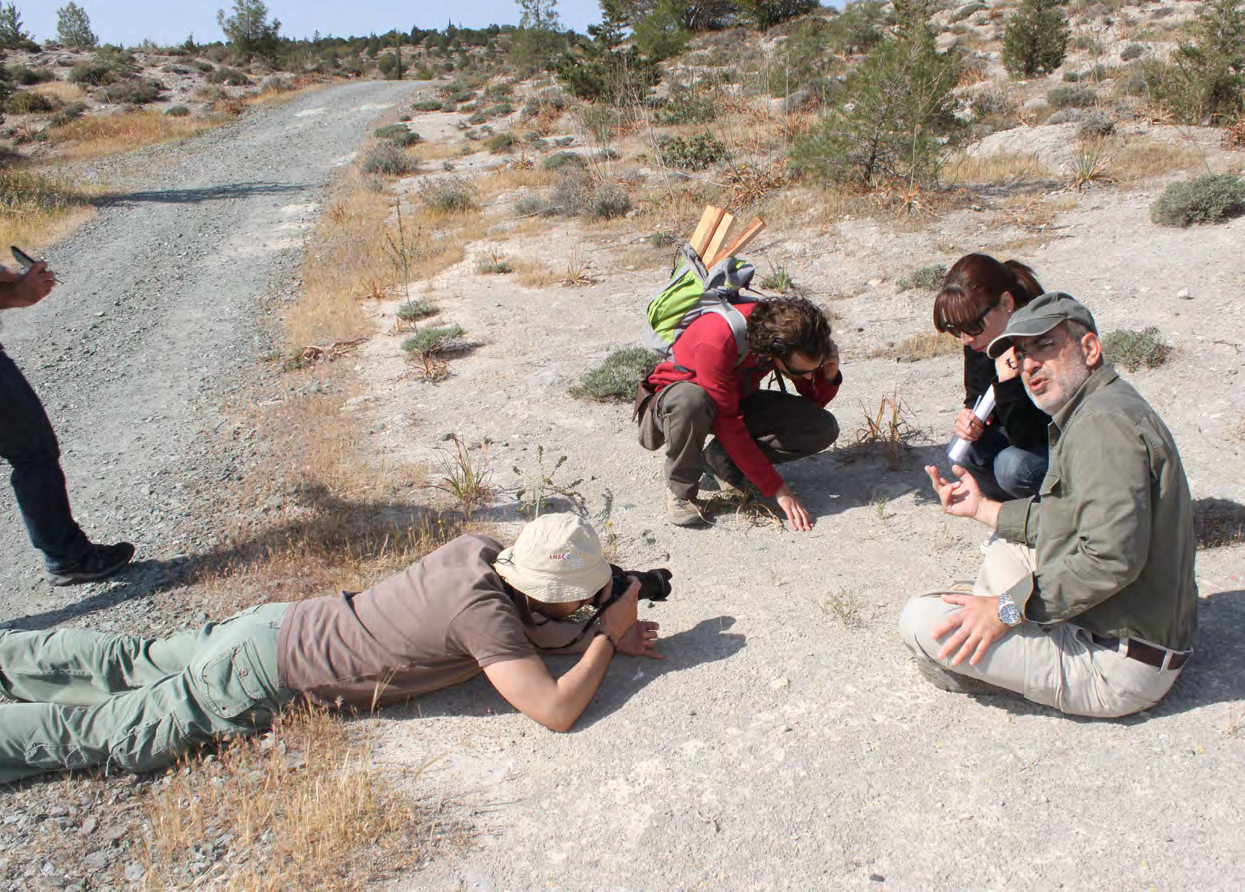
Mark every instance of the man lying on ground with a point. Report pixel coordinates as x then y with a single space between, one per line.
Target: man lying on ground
1088 601
708 388
139 704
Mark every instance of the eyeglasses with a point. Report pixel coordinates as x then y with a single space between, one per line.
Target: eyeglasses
972 329
799 373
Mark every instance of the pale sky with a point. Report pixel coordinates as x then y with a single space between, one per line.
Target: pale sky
167 22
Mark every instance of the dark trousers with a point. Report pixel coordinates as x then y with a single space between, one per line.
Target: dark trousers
1004 471
28 443
784 426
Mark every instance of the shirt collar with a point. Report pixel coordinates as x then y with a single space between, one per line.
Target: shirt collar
1100 378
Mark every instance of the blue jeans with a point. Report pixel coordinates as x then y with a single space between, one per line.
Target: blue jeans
1004 471
28 443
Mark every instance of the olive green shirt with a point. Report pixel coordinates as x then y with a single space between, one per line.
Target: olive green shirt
1112 524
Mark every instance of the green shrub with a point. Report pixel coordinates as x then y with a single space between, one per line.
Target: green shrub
450 195
607 202
559 160
1205 79
571 193
177 111
133 92
1135 349
1132 51
449 105
28 77
694 152
617 377
388 159
859 27
1212 198
414 310
388 131
428 105
71 112
500 143
228 77
441 339
1036 38
1070 97
927 277
27 103
1095 125
967 10
94 74
685 107
535 205
494 266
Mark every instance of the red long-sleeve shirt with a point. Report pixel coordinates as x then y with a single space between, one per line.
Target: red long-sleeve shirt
708 352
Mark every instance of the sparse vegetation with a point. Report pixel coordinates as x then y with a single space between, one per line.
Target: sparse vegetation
927 277
467 477
695 152
389 160
889 430
540 490
1135 349
617 377
449 195
1036 39
439 340
1212 198
778 279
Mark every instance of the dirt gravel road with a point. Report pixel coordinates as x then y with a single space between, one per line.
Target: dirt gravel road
158 322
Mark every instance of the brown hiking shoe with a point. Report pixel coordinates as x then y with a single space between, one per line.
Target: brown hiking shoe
682 512
947 680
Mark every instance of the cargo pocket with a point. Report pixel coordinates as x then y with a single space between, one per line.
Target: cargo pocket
231 684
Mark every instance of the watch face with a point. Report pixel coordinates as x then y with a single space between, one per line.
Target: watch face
1009 613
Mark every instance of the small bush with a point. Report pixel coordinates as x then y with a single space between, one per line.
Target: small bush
1070 97
71 112
685 107
451 195
389 160
535 206
500 143
991 102
559 160
1135 349
692 152
494 266
1095 125
617 377
1132 51
606 203
27 103
388 131
1212 198
414 310
93 74
135 92
441 339
177 111
927 277
228 77
967 10
1036 38
28 77
449 105
428 105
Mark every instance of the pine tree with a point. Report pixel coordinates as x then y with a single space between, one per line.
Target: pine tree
73 27
1208 79
12 34
249 31
1036 39
601 68
765 14
539 38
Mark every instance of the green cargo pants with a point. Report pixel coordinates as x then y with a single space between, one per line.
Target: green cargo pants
134 703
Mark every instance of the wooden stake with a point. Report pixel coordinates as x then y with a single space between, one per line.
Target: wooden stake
708 224
753 230
719 236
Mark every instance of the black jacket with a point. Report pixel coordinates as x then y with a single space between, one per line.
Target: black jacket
1023 422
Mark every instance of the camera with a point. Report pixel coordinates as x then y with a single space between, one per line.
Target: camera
654 584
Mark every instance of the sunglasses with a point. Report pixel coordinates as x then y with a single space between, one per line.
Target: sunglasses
800 373
972 329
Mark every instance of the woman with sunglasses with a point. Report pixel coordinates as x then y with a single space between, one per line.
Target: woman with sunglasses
1009 452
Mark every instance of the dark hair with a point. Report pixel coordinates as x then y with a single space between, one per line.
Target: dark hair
779 327
976 283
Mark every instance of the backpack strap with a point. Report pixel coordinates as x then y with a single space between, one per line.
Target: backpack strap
738 325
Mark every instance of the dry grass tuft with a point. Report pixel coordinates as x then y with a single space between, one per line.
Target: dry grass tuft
95 135
995 170
1140 160
922 345
890 429
61 91
511 179
36 210
533 273
299 808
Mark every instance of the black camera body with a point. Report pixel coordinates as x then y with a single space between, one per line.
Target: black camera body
654 584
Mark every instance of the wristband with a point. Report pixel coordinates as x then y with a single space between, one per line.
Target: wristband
613 643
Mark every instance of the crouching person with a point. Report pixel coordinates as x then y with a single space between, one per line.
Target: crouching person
470 606
1087 602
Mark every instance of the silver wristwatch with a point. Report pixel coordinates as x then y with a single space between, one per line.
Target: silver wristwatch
1009 613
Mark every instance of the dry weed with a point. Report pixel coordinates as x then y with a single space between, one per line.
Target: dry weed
299 808
512 179
61 91
1001 169
890 429
533 273
36 211
467 475
92 136
922 345
1141 160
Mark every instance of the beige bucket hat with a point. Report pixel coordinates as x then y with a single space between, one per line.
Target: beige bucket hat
556 558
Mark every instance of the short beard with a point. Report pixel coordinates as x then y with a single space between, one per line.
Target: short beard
1068 389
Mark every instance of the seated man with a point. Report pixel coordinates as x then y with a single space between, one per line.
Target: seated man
706 388
138 704
1088 602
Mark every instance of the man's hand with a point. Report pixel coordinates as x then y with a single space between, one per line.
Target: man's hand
27 289
1007 366
968 426
620 616
640 640
977 627
791 506
830 368
963 497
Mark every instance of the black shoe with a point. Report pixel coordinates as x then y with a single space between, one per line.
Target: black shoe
100 562
946 680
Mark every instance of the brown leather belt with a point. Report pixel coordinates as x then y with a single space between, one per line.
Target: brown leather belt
1145 653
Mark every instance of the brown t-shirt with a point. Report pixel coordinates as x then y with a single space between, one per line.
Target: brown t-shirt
436 624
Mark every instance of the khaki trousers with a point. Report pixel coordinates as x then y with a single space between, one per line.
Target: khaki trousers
785 427
1056 665
134 703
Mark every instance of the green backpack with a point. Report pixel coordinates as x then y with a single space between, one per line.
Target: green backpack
693 291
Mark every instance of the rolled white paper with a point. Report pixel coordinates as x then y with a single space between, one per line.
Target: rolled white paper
959 449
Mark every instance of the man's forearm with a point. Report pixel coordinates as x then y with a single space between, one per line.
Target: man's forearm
988 513
577 687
